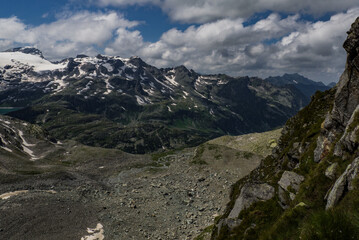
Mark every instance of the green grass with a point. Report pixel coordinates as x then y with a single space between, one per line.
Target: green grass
331 225
197 159
267 220
205 234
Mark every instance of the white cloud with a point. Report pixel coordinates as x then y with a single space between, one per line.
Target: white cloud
271 46
126 43
10 27
201 11
313 49
81 32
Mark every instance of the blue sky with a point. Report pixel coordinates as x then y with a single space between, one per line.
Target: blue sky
237 37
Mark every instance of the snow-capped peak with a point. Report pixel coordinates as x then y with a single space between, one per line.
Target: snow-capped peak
18 58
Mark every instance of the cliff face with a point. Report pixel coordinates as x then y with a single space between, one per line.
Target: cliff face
309 187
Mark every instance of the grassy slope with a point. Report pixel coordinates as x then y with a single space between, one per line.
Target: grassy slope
267 220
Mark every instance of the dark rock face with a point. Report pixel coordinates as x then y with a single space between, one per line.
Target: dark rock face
346 98
27 50
316 162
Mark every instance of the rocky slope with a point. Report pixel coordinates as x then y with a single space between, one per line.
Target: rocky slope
308 188
65 190
127 104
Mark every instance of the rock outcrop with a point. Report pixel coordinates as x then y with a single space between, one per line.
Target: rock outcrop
342 184
290 179
319 145
251 193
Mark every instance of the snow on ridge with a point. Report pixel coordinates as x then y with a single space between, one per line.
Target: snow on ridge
108 66
171 78
39 64
139 100
109 87
25 145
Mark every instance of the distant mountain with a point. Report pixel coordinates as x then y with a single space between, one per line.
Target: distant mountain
111 101
332 84
306 86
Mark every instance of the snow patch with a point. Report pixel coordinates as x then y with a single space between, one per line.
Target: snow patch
149 91
171 78
6 149
11 194
140 101
25 145
108 66
96 233
109 87
221 82
15 193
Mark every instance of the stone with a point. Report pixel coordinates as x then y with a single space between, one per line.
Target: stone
282 198
330 171
301 204
322 149
291 179
343 182
251 193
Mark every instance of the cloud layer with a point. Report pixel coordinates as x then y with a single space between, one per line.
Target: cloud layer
80 32
271 46
201 11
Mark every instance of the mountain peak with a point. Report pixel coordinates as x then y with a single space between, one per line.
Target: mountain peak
27 50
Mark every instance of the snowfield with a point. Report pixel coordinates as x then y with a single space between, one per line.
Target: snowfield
18 58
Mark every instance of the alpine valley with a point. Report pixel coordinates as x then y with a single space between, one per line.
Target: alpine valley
113 148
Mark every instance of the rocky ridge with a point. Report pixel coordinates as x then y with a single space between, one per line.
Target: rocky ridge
308 188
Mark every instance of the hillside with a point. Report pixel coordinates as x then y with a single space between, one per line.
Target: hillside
308 188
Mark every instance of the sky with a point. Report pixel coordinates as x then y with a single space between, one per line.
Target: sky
236 37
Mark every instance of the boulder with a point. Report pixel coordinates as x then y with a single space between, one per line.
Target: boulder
330 171
343 182
291 179
322 149
251 193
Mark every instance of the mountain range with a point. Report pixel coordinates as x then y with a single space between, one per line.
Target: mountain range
115 102
306 86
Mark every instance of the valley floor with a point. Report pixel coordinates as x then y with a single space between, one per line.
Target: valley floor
174 195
